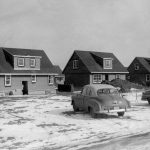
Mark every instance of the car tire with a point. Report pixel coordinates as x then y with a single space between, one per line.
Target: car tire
148 101
75 108
120 114
92 113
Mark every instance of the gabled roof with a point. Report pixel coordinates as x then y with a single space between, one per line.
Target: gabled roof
46 66
89 60
58 70
145 61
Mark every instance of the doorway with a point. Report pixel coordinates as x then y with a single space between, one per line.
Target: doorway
25 87
106 77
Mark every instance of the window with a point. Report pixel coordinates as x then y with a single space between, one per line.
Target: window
117 76
7 80
75 64
136 66
148 77
50 79
97 78
32 62
20 61
107 63
33 78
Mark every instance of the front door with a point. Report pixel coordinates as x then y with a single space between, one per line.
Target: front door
25 87
106 77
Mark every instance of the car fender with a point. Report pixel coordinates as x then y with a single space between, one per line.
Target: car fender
94 104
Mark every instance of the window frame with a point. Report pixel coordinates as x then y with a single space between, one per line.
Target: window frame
35 78
136 66
118 76
18 60
105 61
6 75
50 79
75 64
34 62
97 78
147 77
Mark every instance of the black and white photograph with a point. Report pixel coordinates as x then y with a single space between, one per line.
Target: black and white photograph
74 74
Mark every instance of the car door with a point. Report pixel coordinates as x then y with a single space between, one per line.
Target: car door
80 97
87 97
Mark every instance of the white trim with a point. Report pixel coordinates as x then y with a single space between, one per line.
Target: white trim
108 58
75 64
33 81
27 56
109 62
34 62
110 72
23 74
49 79
18 62
5 80
26 68
98 75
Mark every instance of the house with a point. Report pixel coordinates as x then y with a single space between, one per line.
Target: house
86 67
26 71
139 70
59 79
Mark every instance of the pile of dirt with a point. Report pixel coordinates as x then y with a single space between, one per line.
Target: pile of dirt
124 85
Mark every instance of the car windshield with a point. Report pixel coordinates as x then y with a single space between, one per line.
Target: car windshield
107 91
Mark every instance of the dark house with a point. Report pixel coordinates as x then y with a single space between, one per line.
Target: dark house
86 67
139 71
26 71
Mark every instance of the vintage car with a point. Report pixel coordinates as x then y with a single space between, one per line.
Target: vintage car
100 98
146 96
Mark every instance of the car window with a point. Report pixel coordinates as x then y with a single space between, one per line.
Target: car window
103 91
107 91
114 91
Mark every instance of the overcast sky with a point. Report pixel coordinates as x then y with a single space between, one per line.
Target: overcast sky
61 26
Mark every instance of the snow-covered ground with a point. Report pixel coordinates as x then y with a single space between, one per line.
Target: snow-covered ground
48 123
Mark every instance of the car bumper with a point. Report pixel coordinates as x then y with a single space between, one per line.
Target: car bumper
111 111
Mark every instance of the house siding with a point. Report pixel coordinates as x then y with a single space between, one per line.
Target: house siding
137 76
78 80
41 84
27 63
110 77
69 68
141 70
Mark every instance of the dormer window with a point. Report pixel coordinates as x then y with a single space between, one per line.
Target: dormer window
20 62
75 64
107 63
136 66
32 62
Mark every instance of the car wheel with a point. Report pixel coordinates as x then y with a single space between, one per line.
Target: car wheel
91 110
148 101
75 108
120 114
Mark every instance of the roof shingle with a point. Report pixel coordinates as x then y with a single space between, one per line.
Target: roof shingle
6 67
